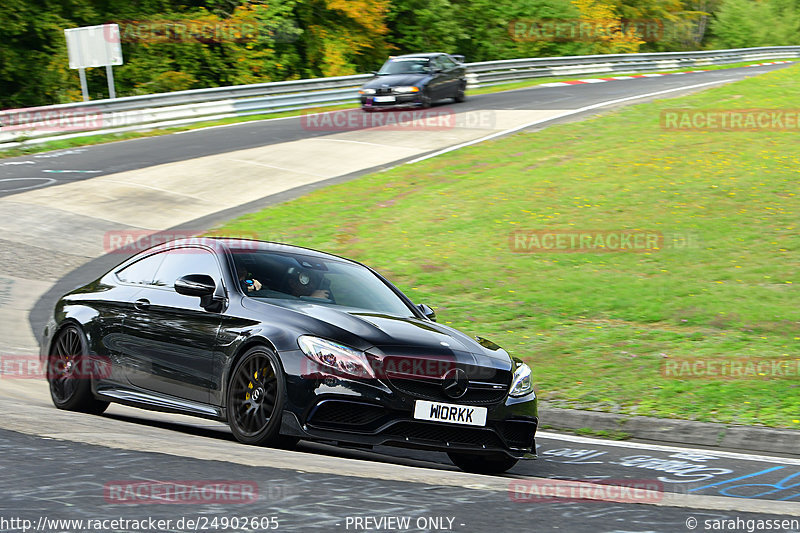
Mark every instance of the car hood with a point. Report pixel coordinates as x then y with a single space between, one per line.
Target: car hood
395 80
391 335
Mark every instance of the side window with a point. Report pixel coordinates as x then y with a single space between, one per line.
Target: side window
182 261
142 272
446 63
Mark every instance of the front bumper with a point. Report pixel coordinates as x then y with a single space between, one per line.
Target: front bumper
375 412
409 100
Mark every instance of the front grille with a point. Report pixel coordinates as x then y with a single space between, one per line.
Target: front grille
486 385
439 434
383 90
518 433
346 414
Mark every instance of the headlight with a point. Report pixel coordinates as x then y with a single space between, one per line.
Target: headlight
342 359
366 91
409 89
522 383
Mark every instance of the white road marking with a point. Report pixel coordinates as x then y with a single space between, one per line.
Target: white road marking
72 171
47 181
665 448
556 117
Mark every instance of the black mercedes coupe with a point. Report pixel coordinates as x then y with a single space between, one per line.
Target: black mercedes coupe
286 343
415 80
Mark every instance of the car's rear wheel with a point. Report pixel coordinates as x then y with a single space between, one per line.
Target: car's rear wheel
255 399
68 373
495 463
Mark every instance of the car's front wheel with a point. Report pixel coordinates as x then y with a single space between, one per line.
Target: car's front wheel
425 99
255 399
460 95
69 373
495 463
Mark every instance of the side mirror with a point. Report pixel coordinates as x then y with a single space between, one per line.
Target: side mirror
429 313
200 285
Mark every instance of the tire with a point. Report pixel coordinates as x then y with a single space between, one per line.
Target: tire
368 109
495 463
257 419
70 383
425 100
460 95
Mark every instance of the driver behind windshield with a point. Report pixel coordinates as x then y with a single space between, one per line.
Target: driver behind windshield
248 283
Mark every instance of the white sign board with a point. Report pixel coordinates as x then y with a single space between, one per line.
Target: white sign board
94 46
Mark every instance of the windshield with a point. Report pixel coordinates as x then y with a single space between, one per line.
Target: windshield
284 277
405 65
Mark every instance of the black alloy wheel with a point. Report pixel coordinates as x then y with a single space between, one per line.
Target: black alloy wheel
69 373
255 399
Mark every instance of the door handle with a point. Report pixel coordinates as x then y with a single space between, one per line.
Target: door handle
142 304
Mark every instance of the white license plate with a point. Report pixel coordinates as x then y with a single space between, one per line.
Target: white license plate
450 413
384 98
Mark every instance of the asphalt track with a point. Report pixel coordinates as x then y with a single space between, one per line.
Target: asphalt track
57 465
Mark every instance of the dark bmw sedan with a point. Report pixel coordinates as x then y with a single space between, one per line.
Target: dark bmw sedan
415 80
286 343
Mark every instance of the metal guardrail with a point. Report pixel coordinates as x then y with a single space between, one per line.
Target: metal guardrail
495 72
40 124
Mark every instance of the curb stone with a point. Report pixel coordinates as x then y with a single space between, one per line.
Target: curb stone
685 432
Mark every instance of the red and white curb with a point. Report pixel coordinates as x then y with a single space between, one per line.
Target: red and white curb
614 78
770 63
632 76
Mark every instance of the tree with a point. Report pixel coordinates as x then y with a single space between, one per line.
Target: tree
741 23
491 29
342 36
424 25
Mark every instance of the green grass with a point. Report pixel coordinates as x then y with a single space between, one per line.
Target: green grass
102 138
597 328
